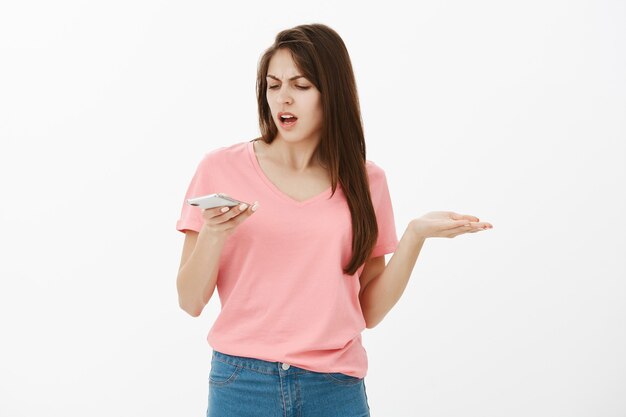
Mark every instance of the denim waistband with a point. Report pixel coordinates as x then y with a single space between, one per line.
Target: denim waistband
259 365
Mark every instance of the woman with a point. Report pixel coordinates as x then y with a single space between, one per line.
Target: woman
301 272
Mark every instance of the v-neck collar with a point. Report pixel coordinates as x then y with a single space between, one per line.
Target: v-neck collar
275 189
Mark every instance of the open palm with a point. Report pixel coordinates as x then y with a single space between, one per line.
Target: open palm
447 224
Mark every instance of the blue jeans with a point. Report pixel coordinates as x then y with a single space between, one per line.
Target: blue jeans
249 387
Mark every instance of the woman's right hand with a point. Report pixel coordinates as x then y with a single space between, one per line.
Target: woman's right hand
223 224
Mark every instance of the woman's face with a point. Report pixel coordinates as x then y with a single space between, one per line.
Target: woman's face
298 96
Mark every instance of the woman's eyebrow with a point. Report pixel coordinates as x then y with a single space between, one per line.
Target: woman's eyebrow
295 77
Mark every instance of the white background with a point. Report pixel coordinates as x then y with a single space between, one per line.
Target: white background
514 112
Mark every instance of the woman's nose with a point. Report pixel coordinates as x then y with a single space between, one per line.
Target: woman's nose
282 96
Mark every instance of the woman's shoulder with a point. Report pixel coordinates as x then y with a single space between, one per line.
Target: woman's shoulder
374 171
225 152
222 156
230 149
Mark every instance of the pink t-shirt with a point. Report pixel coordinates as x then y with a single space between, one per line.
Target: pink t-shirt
284 296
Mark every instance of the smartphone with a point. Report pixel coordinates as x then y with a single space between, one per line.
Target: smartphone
214 200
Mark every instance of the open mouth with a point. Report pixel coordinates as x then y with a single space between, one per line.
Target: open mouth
288 121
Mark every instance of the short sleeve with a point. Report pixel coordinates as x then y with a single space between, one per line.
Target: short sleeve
387 241
191 216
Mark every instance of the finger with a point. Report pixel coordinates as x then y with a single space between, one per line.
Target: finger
226 214
241 217
463 232
469 217
216 211
251 209
234 211
481 226
237 210
456 223
242 207
219 215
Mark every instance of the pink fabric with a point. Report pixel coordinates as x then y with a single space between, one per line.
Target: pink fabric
283 294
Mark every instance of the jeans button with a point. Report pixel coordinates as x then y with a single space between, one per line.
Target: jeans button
285 366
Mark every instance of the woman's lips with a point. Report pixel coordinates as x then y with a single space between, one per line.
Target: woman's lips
289 123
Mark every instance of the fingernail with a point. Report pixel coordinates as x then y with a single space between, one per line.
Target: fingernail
254 207
243 207
224 209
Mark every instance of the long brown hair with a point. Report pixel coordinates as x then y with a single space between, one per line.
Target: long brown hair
320 53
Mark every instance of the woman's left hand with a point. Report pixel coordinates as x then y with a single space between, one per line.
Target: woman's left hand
447 224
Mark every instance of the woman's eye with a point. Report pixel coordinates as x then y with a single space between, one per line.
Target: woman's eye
298 86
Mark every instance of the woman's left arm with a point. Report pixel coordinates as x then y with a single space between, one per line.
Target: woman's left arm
384 291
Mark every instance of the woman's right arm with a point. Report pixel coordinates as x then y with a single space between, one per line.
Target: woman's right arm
197 274
199 264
